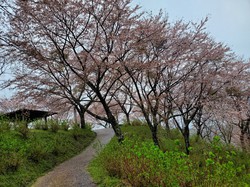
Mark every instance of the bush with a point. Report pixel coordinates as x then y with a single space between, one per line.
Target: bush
12 151
37 152
153 167
45 126
10 162
138 162
4 124
22 128
137 122
53 125
89 126
38 124
65 125
77 132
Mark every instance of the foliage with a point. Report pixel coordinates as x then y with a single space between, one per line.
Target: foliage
38 124
4 124
24 160
136 122
65 125
77 132
22 128
138 162
53 125
44 125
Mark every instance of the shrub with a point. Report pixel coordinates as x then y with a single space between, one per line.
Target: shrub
12 162
38 124
65 125
45 126
37 152
144 164
137 122
4 124
89 126
12 151
138 162
77 132
22 128
53 125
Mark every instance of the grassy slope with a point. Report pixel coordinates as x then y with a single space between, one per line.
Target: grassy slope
23 160
137 162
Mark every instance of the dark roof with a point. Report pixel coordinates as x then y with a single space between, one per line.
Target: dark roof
27 115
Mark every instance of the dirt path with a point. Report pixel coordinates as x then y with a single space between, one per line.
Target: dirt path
72 173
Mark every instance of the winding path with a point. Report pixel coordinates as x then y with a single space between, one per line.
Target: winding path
72 173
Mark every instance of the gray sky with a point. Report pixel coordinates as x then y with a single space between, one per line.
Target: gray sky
229 20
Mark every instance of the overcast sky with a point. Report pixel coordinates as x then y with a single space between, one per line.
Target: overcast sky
229 20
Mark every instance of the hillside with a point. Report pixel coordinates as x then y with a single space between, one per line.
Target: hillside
138 162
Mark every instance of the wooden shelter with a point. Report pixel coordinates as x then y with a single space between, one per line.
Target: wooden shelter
28 115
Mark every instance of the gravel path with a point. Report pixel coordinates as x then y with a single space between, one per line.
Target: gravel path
72 173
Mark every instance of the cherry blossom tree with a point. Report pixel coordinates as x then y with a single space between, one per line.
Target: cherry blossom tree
168 79
83 40
3 17
198 72
237 100
104 59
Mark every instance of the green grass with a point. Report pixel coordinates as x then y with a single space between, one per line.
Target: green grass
138 162
24 159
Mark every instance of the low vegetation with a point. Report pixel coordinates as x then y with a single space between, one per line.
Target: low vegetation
26 154
138 162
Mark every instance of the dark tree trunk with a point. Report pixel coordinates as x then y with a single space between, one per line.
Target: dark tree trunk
248 134
167 125
127 118
110 117
153 129
242 139
167 121
154 135
198 122
248 141
198 133
82 121
186 135
115 127
75 115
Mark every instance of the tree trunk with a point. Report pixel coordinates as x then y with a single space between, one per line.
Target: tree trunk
248 134
110 117
248 141
115 127
153 129
198 133
127 118
167 125
82 121
81 111
242 139
167 121
75 115
154 135
186 135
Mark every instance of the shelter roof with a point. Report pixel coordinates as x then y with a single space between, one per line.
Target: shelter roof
27 114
